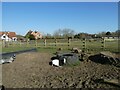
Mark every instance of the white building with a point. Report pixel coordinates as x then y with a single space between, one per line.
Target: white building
8 36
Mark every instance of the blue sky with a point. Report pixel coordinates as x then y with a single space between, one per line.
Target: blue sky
47 17
0 16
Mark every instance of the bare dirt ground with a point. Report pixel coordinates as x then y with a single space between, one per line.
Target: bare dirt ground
32 70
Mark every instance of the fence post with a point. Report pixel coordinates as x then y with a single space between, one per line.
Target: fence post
84 44
3 43
20 43
68 42
55 42
27 42
102 43
36 44
13 44
8 43
45 42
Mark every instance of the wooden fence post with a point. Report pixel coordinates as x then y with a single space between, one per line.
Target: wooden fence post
45 42
55 42
3 43
84 44
8 43
13 44
27 42
68 42
102 43
36 44
20 43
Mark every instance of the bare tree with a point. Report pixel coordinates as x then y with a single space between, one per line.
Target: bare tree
65 33
68 32
57 33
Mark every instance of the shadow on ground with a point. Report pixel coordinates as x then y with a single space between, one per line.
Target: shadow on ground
98 58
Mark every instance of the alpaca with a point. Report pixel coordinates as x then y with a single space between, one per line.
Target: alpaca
55 62
8 60
58 63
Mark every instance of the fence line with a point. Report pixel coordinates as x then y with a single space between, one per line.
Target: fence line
83 44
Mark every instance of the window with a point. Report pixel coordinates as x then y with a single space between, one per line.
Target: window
4 36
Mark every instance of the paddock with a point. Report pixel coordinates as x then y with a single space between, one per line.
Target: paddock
32 70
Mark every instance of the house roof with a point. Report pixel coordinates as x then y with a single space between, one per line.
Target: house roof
9 34
36 34
29 32
1 33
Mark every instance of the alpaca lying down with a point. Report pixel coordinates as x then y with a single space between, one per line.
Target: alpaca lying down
64 58
8 60
58 63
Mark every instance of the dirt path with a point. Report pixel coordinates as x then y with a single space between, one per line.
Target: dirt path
32 70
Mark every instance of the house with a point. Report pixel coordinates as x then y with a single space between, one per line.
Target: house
110 38
35 34
8 36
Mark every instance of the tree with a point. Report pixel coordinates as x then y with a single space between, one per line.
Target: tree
68 33
108 34
101 34
49 36
58 33
81 35
118 33
77 36
31 37
28 34
64 33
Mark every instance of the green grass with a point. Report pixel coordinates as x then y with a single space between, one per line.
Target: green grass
51 47
12 49
39 49
47 49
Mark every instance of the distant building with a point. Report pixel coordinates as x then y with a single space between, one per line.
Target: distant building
110 38
35 34
8 36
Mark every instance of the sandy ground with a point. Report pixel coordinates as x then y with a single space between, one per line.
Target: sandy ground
32 70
